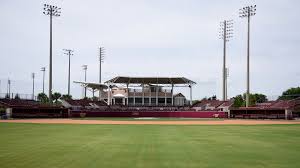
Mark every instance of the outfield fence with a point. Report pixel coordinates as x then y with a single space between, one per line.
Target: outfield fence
158 114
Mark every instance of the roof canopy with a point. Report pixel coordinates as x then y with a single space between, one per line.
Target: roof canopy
150 80
95 86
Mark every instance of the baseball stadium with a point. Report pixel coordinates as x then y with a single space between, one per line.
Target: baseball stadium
144 121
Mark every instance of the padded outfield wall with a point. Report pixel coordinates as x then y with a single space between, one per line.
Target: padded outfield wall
158 114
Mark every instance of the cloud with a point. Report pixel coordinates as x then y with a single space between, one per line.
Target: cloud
147 38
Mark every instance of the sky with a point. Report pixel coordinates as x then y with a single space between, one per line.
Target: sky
151 38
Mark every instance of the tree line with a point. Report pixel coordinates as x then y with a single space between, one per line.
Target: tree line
289 94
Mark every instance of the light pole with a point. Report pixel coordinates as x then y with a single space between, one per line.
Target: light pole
225 34
101 60
8 87
247 12
51 11
85 69
226 86
33 75
69 53
43 69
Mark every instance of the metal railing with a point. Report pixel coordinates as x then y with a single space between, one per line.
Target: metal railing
141 90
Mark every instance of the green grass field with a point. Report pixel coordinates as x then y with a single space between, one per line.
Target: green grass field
145 146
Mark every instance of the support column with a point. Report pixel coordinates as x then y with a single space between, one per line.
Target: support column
143 95
287 113
150 95
108 95
100 94
111 96
93 90
8 112
133 97
156 95
191 95
127 96
165 97
172 94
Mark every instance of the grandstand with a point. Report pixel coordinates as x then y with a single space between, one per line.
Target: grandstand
215 105
19 108
145 97
142 91
281 109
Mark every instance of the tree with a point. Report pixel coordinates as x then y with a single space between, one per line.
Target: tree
240 101
214 97
290 93
56 96
195 102
17 97
66 97
86 98
259 98
42 97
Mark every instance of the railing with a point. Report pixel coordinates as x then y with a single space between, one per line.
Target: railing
141 90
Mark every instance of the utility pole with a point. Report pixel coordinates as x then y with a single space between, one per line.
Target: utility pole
85 69
33 75
225 34
101 60
247 12
43 69
8 87
69 53
51 11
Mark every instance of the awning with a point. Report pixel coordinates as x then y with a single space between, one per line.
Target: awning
95 86
150 80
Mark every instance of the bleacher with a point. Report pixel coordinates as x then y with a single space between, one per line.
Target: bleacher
33 109
89 105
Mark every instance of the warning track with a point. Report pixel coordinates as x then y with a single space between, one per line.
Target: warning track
116 122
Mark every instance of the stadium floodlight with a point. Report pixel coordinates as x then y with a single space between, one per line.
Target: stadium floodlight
101 60
247 12
43 69
8 87
69 53
84 67
226 86
226 32
33 76
51 11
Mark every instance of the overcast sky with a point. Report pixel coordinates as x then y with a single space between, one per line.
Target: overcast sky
151 38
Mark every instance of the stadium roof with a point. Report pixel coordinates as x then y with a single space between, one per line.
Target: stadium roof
150 80
93 85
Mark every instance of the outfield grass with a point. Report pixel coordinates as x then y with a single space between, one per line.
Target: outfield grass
145 146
